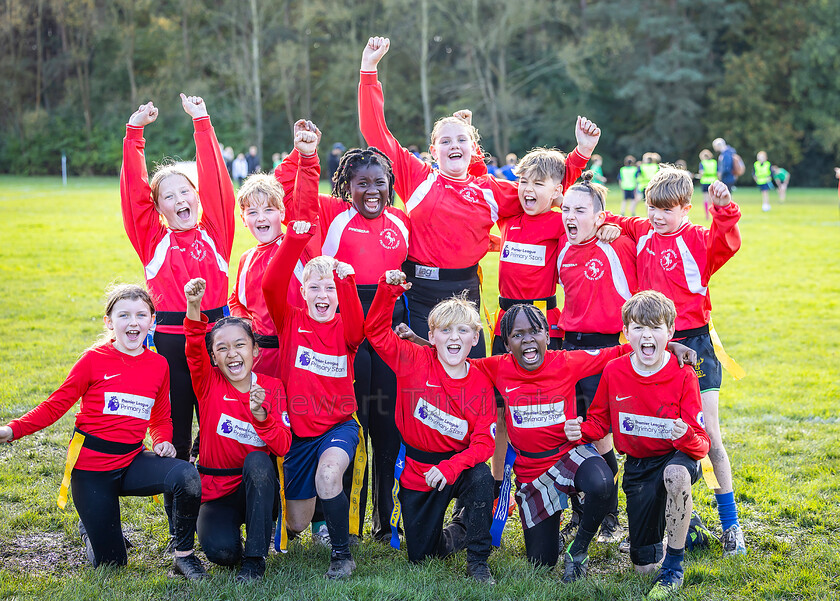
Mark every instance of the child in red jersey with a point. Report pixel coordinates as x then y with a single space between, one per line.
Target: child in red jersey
653 407
446 417
238 478
448 203
180 246
124 389
317 347
597 279
678 258
361 227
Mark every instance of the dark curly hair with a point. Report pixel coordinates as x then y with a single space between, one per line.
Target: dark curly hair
536 319
352 161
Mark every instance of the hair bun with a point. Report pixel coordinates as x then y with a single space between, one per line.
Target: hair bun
587 176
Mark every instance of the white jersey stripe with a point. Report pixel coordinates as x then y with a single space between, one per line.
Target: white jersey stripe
560 261
220 262
489 199
643 241
420 192
619 278
158 259
243 276
400 225
691 269
333 238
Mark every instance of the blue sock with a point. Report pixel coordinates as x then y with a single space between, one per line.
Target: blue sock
673 559
727 509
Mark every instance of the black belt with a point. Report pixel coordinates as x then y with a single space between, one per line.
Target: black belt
366 293
693 332
591 339
416 271
176 318
267 341
506 303
541 455
218 471
109 447
427 457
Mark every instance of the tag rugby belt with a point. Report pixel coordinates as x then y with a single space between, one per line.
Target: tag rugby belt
218 471
546 304
414 271
176 318
592 339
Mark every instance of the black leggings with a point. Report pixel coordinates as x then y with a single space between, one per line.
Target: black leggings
595 480
97 499
254 504
181 394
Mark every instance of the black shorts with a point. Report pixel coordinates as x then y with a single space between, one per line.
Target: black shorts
629 194
644 486
708 369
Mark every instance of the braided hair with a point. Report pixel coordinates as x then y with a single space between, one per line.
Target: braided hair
597 192
352 161
536 319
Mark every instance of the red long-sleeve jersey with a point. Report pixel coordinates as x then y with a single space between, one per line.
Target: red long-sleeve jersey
435 413
170 257
122 395
371 246
642 410
316 359
597 279
441 209
225 420
680 264
538 403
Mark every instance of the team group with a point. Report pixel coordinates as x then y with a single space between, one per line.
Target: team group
310 356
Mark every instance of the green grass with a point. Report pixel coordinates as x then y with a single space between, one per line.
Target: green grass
775 307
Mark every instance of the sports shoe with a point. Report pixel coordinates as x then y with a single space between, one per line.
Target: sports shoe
733 541
666 583
570 529
251 570
189 567
611 531
340 568
624 546
574 566
698 536
480 571
88 547
322 537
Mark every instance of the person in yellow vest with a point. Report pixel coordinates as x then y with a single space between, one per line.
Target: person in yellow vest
649 166
763 178
628 180
708 174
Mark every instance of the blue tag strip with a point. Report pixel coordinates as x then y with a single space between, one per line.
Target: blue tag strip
501 514
396 513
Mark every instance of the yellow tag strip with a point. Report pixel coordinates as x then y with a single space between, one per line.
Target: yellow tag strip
709 473
490 323
728 363
359 465
72 457
284 533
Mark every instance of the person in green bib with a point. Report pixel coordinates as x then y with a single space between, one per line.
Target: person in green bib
763 178
648 168
628 177
781 178
708 174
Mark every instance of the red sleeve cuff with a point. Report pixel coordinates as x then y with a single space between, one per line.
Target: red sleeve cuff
202 124
368 77
134 132
309 159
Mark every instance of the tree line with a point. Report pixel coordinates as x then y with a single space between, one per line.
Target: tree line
663 75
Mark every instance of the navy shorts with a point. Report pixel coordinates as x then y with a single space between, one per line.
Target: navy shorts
705 187
629 194
301 461
764 186
644 486
708 368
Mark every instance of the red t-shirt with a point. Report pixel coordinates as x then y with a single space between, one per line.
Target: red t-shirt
122 396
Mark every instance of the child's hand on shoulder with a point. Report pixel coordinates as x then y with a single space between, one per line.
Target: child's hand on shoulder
587 134
608 233
194 290
301 227
376 48
679 429
6 434
257 399
145 114
572 429
307 137
194 106
164 449
719 193
342 270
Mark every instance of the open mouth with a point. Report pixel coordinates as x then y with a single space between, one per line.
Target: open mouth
183 214
263 229
321 309
235 367
132 335
647 350
453 349
454 156
572 229
372 203
530 355
529 201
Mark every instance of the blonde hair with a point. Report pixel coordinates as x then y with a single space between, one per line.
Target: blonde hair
542 163
455 310
261 187
706 154
649 308
163 171
597 192
669 187
321 267
471 130
116 293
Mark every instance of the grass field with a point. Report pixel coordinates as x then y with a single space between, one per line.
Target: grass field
776 309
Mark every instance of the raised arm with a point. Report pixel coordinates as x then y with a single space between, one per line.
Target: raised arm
396 352
195 329
214 186
280 269
352 313
270 418
724 238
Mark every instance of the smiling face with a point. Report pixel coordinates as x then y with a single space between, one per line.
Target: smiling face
537 192
526 343
579 217
234 352
369 190
667 220
453 343
263 220
130 321
177 201
321 297
649 343
452 149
